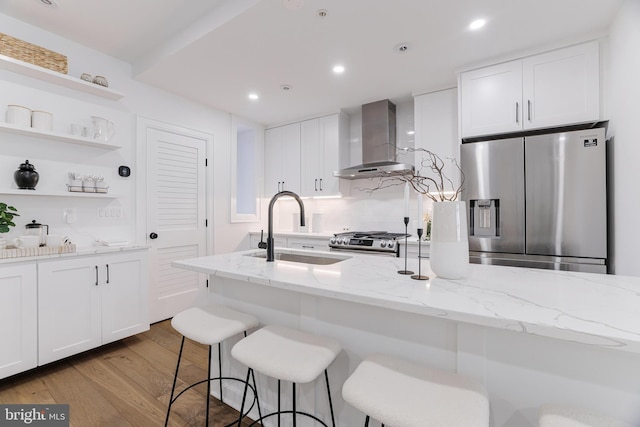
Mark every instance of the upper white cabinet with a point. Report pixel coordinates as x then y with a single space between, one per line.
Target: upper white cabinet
322 150
556 88
282 159
436 126
18 318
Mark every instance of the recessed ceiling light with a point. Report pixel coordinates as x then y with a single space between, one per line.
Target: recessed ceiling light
338 69
51 3
253 96
322 13
402 47
286 87
477 24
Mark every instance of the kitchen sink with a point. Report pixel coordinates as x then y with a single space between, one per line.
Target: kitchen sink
302 258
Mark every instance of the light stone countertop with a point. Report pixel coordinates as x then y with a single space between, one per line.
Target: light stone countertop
80 251
594 309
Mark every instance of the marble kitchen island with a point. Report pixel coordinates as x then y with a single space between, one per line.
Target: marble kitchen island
531 336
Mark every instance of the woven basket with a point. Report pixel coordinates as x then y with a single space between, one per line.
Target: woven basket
33 54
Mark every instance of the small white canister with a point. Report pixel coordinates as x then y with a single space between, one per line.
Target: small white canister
42 120
19 116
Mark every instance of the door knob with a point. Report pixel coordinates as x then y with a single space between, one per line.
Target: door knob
153 236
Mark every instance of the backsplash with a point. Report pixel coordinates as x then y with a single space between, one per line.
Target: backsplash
382 210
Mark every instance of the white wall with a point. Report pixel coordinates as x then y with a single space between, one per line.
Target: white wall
66 104
624 147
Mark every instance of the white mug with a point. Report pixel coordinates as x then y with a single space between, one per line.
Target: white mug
54 240
27 242
41 120
19 115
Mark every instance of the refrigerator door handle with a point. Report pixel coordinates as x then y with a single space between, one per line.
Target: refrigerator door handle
529 110
517 112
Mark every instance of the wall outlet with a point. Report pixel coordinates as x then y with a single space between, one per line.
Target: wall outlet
69 215
110 212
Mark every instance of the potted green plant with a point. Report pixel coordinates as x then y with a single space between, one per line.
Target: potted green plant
7 213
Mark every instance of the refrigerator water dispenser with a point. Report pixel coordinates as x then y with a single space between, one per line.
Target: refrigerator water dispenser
484 218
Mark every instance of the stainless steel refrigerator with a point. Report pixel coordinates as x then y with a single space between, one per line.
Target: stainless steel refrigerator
538 201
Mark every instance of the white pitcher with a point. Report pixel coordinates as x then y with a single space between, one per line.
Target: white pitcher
103 129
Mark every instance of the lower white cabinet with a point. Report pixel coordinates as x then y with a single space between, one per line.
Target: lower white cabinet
310 244
413 250
18 318
84 302
314 243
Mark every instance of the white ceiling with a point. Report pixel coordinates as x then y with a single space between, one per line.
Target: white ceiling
217 51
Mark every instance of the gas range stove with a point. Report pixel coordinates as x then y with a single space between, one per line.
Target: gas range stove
380 242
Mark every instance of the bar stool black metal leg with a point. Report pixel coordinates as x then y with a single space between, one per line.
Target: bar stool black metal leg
278 403
366 421
294 404
244 395
173 388
208 388
326 378
220 369
255 391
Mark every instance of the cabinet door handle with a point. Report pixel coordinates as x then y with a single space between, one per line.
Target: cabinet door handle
315 184
517 112
308 247
96 275
320 184
282 186
529 110
107 273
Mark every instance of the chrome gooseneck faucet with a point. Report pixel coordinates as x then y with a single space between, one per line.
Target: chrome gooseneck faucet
270 250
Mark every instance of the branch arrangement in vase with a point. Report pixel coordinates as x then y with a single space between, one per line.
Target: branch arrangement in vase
429 179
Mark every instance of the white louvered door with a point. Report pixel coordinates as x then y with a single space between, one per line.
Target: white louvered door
176 215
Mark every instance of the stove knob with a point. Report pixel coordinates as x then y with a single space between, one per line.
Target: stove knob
332 241
345 240
391 244
383 244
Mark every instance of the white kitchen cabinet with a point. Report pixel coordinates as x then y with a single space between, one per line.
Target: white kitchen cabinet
85 302
18 318
561 87
556 88
310 243
323 150
282 159
436 127
412 249
491 99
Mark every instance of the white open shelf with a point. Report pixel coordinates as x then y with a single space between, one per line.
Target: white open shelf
56 78
57 136
36 192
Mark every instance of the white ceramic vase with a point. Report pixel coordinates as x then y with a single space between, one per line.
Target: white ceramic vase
449 251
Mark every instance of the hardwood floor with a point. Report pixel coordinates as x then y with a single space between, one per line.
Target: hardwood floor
126 383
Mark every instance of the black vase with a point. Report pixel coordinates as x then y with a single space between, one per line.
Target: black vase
26 176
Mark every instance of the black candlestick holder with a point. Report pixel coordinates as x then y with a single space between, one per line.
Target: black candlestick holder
419 276
406 224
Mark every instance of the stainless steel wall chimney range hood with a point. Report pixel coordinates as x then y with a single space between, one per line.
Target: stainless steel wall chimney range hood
378 144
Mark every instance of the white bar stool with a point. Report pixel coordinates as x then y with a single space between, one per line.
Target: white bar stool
404 394
210 325
553 415
287 354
